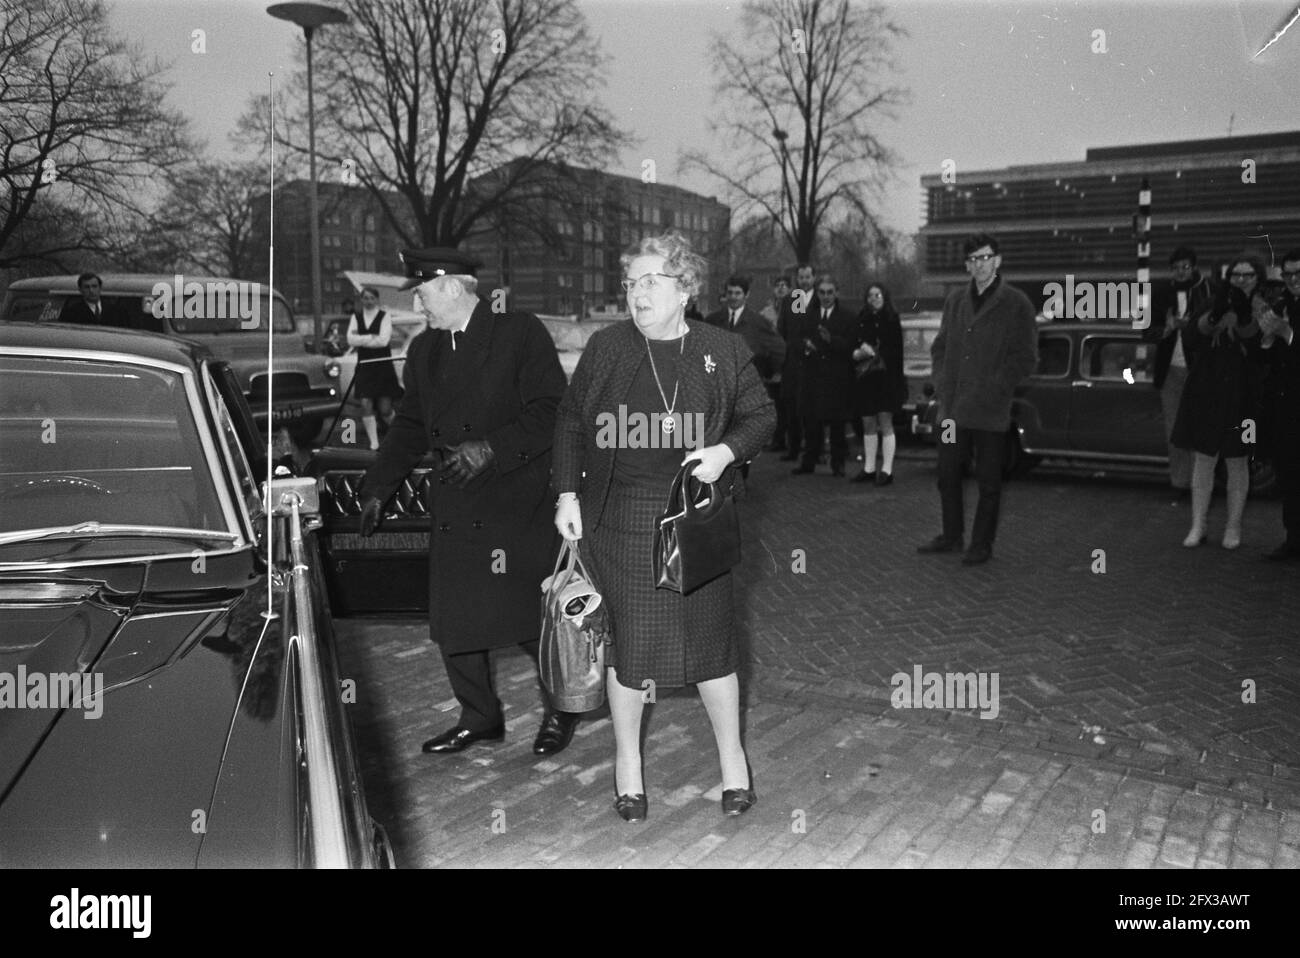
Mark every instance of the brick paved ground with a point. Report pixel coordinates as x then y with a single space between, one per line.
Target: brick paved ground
1120 701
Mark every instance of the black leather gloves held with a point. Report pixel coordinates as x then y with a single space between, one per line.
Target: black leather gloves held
467 461
370 516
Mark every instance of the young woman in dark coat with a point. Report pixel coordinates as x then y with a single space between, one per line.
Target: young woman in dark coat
1216 402
880 387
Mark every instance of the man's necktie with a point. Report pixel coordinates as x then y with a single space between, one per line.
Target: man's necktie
735 318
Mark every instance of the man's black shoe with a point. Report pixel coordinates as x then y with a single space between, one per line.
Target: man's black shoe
977 555
790 457
458 739
1284 553
940 544
556 733
838 471
800 470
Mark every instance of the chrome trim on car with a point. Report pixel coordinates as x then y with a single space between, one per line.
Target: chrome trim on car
328 828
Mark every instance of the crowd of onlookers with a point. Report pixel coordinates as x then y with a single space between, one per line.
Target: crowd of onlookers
1225 364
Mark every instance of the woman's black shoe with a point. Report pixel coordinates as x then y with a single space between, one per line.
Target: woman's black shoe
864 477
631 808
884 478
737 801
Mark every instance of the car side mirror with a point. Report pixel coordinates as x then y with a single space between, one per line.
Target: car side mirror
285 491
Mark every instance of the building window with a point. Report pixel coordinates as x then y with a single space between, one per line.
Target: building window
370 245
370 222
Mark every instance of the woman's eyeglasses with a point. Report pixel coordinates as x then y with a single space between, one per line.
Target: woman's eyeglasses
1240 275
647 281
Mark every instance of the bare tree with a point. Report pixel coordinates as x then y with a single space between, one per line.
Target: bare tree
420 99
83 129
799 94
207 222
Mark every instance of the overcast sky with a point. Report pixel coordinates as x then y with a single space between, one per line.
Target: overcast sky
992 84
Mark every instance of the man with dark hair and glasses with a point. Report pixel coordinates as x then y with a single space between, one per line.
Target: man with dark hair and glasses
987 344
1280 347
1190 295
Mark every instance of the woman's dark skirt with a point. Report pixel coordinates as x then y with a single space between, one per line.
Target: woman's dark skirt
1215 401
374 380
670 639
874 393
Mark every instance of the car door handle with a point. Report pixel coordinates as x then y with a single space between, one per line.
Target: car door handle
1086 383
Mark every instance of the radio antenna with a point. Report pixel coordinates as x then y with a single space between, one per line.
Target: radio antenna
268 507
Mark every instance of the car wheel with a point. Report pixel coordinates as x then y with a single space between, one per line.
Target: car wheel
1017 462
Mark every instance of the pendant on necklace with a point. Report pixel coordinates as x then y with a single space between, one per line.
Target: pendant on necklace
669 423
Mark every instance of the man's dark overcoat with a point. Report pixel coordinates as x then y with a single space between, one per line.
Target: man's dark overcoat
492 543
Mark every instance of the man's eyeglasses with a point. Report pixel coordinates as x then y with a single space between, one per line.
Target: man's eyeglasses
980 257
1240 275
826 292
647 281
1291 274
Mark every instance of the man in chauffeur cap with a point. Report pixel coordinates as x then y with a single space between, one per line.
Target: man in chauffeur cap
482 388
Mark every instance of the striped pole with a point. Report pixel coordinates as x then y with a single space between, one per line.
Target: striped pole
1142 227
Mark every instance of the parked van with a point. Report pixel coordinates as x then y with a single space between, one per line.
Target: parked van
229 316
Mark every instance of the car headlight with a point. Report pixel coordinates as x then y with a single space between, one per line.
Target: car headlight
332 370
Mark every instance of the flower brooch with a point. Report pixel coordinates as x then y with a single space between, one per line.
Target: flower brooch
709 364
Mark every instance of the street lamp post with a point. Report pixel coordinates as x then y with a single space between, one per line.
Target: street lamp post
309 16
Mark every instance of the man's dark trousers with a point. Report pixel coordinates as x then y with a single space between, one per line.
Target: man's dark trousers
813 431
788 410
470 674
990 448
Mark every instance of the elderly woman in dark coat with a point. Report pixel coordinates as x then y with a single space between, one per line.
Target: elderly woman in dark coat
1216 401
880 386
697 387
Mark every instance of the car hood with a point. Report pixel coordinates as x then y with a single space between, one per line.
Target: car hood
121 778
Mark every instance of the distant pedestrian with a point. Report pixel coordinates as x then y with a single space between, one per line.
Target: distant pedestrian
90 308
1190 296
1280 347
772 313
760 336
795 311
375 383
1217 399
987 344
826 384
879 387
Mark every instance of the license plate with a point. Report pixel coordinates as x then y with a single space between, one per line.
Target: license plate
286 414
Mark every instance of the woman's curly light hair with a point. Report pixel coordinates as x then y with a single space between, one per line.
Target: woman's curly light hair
680 260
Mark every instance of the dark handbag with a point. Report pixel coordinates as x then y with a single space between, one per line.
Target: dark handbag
694 545
575 631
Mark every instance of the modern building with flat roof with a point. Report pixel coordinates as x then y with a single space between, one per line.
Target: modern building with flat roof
1218 196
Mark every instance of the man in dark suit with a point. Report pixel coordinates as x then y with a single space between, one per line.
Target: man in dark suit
1280 345
738 316
825 397
790 327
90 309
481 389
1188 297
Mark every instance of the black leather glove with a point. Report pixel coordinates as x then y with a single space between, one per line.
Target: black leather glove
467 461
371 516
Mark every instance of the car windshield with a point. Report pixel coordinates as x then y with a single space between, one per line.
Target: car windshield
919 340
214 307
99 441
